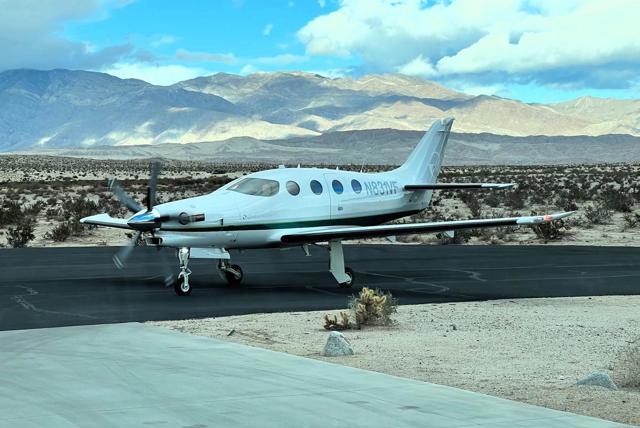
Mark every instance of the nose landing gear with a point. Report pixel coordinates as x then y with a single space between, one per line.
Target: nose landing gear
182 286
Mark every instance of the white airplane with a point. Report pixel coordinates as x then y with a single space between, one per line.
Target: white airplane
296 207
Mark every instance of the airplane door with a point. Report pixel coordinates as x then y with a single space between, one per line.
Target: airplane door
336 188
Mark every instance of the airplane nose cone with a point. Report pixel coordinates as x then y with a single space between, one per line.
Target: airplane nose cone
145 221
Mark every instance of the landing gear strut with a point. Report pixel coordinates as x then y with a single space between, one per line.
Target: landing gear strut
182 286
231 273
344 275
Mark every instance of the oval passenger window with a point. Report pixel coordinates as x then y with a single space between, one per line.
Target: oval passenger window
337 186
293 188
356 186
316 187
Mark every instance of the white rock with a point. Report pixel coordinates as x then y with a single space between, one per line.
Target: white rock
337 345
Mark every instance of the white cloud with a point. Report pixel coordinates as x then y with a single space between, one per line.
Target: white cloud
185 55
267 29
165 39
249 69
572 41
31 34
418 66
322 3
282 59
156 74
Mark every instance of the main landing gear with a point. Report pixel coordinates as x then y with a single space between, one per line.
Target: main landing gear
344 275
231 273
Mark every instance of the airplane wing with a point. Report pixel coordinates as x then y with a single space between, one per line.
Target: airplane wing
443 186
404 229
106 220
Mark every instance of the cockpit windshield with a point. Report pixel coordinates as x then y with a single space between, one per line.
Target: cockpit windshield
256 187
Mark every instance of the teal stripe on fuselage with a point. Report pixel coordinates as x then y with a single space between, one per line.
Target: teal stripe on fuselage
352 221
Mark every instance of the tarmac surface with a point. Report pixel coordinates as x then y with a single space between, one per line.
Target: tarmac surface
134 375
48 287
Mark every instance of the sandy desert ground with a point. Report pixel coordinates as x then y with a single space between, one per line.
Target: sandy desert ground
51 192
530 350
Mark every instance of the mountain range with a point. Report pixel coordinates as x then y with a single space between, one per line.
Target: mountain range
63 109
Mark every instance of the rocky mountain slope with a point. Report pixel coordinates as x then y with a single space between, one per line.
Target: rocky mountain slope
63 108
378 147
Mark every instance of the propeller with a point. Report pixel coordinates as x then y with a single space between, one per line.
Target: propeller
142 222
145 219
120 258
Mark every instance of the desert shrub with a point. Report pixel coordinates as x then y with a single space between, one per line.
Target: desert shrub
19 236
566 201
471 200
331 322
617 200
516 199
460 236
597 213
550 231
79 207
492 200
10 213
628 366
60 233
631 220
372 307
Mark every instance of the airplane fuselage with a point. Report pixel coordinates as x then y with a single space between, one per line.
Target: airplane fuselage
252 211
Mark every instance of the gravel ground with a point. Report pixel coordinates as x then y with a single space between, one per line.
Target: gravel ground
530 350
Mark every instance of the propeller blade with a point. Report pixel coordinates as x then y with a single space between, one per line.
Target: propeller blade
122 196
153 184
120 258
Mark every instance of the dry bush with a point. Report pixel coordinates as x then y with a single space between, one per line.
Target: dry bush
19 236
373 307
331 322
617 200
471 200
460 236
631 220
628 366
597 213
60 233
550 231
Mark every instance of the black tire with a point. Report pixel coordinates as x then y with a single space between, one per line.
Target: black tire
180 288
231 278
349 283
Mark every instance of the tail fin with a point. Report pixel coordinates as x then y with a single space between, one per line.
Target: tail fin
423 164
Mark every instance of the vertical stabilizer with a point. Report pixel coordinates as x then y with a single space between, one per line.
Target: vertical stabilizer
423 164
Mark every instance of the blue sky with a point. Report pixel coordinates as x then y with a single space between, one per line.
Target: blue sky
531 50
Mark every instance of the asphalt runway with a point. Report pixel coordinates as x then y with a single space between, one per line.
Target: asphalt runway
50 287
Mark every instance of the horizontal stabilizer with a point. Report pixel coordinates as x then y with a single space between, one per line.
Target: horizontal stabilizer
106 220
451 186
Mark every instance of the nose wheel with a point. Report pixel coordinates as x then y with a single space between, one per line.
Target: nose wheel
182 286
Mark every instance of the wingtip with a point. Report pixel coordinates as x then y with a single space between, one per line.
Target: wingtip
537 219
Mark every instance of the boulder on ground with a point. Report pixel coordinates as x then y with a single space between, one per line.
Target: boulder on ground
337 345
598 379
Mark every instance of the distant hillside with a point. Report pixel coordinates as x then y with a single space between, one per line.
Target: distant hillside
62 109
380 146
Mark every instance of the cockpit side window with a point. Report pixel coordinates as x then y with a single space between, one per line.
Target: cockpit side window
256 187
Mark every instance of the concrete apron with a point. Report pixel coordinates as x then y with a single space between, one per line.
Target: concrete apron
131 375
